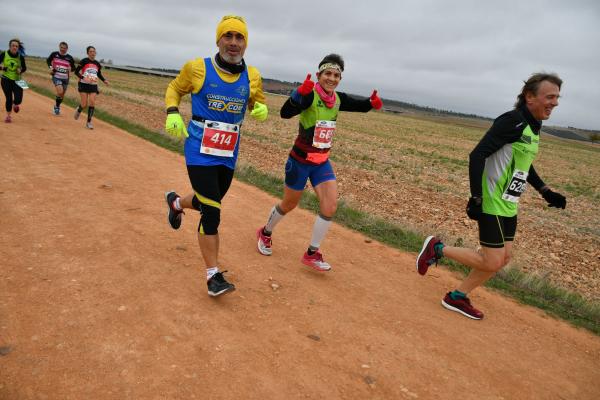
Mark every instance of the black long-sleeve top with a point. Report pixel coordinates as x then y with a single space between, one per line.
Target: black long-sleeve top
85 64
506 129
296 103
67 57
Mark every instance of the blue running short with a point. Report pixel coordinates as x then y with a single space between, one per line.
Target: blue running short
61 82
297 173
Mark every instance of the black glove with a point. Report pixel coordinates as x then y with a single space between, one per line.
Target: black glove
474 209
555 199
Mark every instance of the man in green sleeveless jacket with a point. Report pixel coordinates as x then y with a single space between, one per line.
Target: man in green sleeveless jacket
500 167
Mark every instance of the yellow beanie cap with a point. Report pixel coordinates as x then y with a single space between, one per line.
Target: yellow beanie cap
232 23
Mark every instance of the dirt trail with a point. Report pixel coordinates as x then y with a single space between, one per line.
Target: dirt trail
100 299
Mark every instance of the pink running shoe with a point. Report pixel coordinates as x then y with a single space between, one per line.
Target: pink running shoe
315 262
462 306
264 243
8 119
16 108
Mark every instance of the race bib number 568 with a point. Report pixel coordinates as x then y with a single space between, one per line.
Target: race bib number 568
323 137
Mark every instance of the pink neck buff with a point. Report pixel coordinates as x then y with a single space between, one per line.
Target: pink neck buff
328 99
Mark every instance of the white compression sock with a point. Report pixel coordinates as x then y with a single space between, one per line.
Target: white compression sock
274 218
210 272
319 231
177 204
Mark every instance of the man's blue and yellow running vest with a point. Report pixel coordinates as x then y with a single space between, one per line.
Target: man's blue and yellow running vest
216 101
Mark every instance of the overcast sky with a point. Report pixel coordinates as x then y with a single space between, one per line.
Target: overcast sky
466 56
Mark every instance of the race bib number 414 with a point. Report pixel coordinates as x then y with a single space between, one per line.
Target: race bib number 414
219 138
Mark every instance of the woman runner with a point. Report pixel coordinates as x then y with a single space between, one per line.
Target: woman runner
12 63
88 71
318 106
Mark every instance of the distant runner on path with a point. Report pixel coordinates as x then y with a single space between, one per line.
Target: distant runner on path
12 63
500 167
318 106
61 64
88 71
222 88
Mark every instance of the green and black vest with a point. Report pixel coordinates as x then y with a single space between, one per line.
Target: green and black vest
505 175
12 65
303 149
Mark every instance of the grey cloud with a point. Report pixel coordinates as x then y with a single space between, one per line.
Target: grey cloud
466 55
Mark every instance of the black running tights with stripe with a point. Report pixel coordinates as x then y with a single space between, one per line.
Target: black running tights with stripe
12 92
210 182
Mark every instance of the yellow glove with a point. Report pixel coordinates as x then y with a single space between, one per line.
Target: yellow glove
175 125
260 111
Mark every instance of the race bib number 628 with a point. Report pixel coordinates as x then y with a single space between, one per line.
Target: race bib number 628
516 186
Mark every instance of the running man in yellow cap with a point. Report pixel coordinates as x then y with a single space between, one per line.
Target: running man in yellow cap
222 88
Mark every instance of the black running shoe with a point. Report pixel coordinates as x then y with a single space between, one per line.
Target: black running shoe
174 215
217 285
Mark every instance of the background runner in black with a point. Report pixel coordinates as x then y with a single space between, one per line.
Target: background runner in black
60 64
12 73
89 71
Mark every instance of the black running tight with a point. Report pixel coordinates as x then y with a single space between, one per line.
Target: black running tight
12 92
